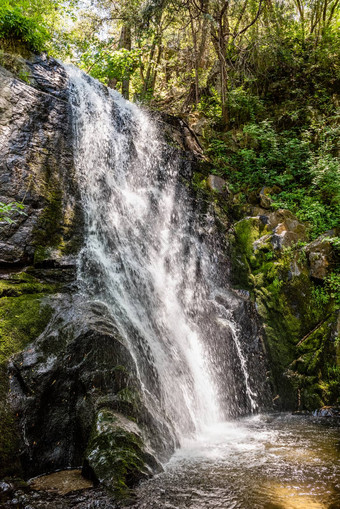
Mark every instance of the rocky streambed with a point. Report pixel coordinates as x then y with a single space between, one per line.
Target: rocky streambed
268 461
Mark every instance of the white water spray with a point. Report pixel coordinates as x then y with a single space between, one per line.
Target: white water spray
143 259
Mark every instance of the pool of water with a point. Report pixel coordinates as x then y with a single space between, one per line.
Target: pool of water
263 462
266 461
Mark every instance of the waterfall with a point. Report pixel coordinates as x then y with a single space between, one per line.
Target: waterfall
146 259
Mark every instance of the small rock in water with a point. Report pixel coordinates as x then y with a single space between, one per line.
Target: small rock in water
327 411
62 482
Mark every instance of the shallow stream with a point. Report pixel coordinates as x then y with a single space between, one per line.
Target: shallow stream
268 461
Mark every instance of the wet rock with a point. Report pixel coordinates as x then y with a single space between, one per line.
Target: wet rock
262 198
327 411
80 364
265 200
117 455
287 230
178 132
88 498
5 487
36 163
62 482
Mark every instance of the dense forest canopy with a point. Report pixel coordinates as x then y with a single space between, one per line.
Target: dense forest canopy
258 79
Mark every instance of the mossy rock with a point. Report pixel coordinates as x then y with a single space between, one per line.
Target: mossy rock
22 284
116 454
292 306
247 232
23 316
11 58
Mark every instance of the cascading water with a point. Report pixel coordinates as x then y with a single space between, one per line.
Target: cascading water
145 258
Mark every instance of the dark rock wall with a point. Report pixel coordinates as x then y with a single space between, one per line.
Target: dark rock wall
36 168
36 165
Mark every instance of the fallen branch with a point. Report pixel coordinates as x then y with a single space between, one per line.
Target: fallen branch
311 332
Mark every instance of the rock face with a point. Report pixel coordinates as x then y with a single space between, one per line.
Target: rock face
36 166
75 370
36 250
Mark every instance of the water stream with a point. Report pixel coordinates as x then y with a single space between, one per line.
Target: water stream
259 462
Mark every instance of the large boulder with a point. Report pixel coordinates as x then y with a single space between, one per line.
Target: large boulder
117 454
321 255
78 371
218 185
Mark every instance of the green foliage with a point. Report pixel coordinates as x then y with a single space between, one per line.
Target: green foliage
309 207
332 283
307 170
243 106
210 105
15 26
108 65
320 297
8 210
267 157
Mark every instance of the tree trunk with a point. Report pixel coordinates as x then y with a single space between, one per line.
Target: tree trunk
125 42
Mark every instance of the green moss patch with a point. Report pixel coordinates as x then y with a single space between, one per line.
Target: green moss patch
15 65
115 453
23 316
298 316
22 284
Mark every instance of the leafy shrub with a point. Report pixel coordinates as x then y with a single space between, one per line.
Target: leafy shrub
210 105
309 207
7 210
303 164
243 106
332 283
325 170
14 26
266 157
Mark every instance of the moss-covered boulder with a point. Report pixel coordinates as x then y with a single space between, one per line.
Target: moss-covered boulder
116 454
78 367
321 255
299 315
24 314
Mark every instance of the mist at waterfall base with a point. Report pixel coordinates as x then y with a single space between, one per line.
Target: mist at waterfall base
156 263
